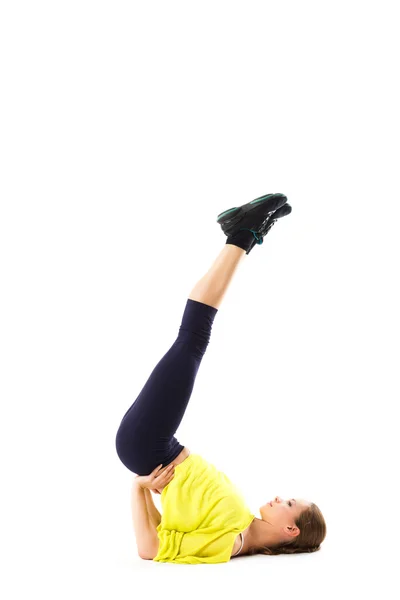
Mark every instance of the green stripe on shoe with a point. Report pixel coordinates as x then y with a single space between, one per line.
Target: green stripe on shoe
261 199
226 212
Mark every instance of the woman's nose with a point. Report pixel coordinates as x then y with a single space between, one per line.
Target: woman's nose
278 499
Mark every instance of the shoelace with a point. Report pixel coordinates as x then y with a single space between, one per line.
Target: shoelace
269 226
260 238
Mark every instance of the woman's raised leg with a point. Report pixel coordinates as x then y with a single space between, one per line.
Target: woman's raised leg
211 288
145 437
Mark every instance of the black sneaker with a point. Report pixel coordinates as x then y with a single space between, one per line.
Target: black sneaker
252 216
284 210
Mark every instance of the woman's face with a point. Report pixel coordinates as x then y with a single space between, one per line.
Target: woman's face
281 512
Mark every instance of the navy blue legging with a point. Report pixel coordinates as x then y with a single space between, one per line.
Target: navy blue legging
145 438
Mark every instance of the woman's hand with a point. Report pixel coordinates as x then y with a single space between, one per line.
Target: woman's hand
158 479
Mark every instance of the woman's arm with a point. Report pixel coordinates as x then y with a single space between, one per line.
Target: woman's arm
154 514
145 530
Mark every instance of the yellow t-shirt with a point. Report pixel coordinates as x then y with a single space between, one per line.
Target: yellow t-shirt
203 513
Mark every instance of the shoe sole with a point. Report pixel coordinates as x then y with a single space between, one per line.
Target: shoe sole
237 208
231 213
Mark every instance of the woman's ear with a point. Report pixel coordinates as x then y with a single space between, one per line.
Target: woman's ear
292 531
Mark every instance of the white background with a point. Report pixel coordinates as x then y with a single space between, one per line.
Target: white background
126 128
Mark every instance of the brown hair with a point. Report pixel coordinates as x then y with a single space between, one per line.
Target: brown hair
312 533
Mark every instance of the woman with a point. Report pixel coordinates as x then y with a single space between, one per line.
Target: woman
205 518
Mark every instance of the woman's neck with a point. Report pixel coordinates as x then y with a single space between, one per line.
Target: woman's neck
260 533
